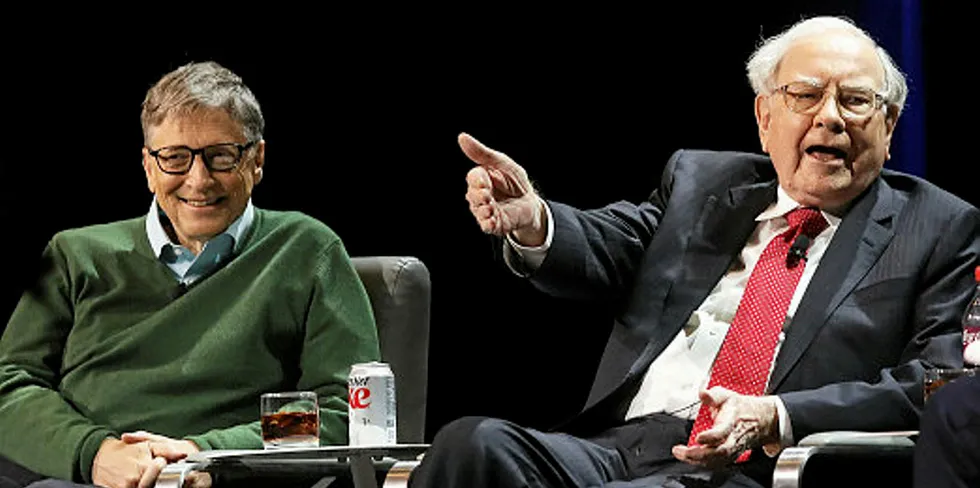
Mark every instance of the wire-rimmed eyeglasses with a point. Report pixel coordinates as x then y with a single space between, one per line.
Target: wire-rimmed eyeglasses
807 98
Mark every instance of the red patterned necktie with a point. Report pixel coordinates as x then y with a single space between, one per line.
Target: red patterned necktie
746 355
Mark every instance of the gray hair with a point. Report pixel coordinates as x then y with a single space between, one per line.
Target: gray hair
202 85
764 62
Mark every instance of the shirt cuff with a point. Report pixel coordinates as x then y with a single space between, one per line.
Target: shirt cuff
523 260
785 431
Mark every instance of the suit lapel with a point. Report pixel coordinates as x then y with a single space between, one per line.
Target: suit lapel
869 224
719 234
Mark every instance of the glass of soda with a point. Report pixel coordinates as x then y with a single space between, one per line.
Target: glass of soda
290 419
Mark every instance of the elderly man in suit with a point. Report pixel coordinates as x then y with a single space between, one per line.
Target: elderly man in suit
760 299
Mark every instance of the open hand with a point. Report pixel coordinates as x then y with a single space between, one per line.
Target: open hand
741 422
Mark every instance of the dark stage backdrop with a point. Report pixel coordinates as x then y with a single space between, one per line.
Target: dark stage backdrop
362 118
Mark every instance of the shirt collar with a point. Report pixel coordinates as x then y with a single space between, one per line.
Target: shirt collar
159 239
784 204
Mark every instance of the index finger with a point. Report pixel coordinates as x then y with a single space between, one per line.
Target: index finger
697 455
480 154
166 450
140 436
152 471
716 435
477 177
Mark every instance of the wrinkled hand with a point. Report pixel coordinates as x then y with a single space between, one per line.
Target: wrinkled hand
740 422
120 464
501 196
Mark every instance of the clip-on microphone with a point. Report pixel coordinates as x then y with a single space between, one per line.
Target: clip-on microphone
797 250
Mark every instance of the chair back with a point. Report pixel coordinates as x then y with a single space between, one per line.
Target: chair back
400 293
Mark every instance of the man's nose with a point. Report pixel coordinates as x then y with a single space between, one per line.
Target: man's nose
829 114
199 174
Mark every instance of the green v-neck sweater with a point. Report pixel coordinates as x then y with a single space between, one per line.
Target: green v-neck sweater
107 342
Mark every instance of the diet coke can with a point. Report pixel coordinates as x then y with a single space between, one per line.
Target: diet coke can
371 405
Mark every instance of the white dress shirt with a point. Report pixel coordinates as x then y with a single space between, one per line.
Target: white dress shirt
672 382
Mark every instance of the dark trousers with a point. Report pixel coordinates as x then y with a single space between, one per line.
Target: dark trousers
13 475
947 453
479 452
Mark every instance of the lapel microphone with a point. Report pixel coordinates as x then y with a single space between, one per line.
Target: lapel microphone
799 247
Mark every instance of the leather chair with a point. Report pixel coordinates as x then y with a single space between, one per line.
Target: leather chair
400 292
399 289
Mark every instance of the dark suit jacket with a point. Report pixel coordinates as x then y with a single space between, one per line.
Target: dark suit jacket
884 304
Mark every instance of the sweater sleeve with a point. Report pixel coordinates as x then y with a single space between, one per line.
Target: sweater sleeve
339 330
41 428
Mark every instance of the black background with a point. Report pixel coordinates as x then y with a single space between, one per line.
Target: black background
362 114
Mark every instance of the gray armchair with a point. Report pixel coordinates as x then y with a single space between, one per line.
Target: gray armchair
400 292
399 289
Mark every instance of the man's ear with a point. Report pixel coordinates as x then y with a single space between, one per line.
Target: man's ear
259 162
148 162
891 119
763 117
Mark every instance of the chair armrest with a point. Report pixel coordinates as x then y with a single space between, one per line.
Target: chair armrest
849 438
792 461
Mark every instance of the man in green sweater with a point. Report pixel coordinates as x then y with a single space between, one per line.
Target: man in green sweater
147 339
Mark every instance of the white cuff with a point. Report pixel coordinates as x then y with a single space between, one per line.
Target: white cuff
785 431
530 256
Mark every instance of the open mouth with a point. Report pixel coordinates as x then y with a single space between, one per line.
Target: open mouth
826 153
201 203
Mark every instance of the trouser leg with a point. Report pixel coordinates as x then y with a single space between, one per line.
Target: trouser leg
477 452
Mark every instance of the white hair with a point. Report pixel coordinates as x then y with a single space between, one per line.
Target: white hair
764 62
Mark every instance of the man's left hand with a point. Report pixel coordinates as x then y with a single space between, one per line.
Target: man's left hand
194 479
157 441
740 422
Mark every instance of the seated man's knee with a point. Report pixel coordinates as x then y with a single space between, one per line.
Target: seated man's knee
474 437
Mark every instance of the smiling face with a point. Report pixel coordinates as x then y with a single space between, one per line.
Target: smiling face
826 158
200 203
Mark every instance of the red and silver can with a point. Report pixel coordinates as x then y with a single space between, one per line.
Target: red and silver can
371 405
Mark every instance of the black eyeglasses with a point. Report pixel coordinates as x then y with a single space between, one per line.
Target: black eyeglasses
177 160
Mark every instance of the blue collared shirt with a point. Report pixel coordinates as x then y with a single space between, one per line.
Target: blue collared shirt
187 267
